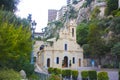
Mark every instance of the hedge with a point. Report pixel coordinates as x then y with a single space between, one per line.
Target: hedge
102 76
92 75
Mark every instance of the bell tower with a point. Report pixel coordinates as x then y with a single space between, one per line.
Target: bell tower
72 30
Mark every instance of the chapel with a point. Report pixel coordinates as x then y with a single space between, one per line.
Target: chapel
63 52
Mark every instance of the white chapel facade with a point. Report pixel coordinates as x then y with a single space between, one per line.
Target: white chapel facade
64 53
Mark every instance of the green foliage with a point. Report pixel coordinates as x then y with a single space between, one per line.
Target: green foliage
115 25
57 71
10 5
111 6
50 70
86 50
102 76
84 74
63 73
84 5
89 2
66 73
15 42
72 13
34 77
7 16
82 33
75 73
108 66
117 14
92 75
9 74
29 68
54 77
116 49
52 29
95 13
96 43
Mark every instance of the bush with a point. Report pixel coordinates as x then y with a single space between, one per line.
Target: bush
54 77
63 73
66 73
84 75
56 71
92 75
50 70
75 74
102 76
34 77
9 74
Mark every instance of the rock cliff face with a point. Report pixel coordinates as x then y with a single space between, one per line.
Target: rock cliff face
79 12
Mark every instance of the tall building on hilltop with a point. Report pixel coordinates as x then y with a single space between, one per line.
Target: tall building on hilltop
52 15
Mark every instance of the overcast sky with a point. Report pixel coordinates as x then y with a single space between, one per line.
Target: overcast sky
39 10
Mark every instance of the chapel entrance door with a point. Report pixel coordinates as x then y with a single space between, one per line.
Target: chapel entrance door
65 62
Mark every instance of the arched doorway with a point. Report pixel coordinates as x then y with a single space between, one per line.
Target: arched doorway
65 62
79 62
48 62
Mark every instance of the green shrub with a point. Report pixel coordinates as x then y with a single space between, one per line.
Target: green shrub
57 71
74 74
34 77
84 74
102 76
63 73
50 70
66 73
54 77
9 74
92 75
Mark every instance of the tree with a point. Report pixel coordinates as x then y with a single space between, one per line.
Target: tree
86 50
111 6
116 51
15 44
96 43
10 5
115 25
95 13
82 33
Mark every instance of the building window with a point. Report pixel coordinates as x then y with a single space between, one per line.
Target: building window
73 60
57 60
72 32
48 62
65 47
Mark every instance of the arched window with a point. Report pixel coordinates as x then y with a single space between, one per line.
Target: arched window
65 47
48 62
57 60
73 60
72 32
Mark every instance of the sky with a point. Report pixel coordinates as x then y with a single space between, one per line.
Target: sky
39 10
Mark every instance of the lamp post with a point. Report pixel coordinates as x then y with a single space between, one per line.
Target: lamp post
33 27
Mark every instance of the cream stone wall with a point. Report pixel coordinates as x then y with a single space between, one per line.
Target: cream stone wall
58 50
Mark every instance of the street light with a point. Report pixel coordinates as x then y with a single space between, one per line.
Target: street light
33 27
